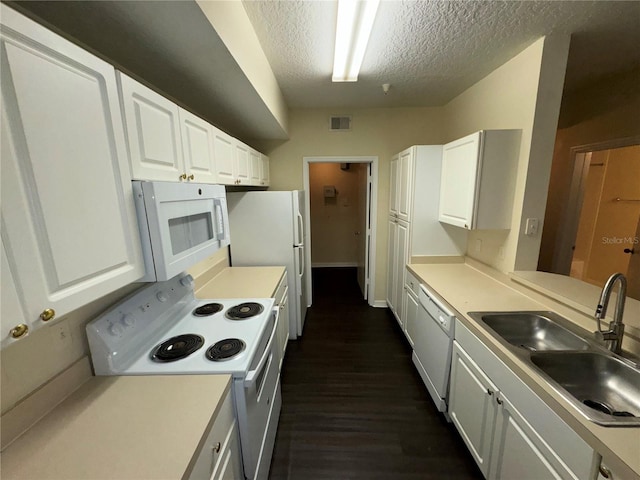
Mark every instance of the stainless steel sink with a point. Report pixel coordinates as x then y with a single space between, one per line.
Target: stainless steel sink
604 387
604 384
531 330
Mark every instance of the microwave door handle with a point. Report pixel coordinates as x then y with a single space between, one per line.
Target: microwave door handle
217 206
253 374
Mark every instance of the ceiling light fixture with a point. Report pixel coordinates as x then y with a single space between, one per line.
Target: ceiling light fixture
355 21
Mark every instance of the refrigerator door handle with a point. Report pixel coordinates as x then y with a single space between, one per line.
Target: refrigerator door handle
300 239
301 262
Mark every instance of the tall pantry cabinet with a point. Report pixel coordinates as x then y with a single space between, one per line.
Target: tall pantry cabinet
414 228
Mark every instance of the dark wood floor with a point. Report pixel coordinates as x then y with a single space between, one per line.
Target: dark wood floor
353 406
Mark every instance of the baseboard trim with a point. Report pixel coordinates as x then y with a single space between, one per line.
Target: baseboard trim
379 304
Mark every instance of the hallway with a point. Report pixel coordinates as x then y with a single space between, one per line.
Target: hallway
354 406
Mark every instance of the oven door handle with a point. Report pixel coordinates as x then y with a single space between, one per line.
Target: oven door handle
252 375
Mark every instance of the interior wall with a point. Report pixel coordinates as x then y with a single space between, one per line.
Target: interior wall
380 132
602 112
334 220
525 94
31 362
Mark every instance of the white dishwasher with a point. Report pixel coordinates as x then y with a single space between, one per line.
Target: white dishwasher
433 342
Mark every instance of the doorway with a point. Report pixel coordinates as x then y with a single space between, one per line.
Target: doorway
603 239
340 216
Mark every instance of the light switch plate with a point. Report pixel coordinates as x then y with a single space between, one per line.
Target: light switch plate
531 227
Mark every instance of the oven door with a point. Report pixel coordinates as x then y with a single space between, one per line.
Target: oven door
255 395
184 223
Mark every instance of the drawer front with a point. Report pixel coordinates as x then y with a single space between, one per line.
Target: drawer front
209 454
412 283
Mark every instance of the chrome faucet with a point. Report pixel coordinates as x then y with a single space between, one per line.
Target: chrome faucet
616 328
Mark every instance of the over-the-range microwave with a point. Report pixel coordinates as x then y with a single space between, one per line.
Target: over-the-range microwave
180 225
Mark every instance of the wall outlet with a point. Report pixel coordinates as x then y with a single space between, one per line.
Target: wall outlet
531 227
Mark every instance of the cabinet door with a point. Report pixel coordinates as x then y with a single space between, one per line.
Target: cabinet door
284 325
264 177
153 132
391 264
402 249
472 406
405 184
224 158
255 170
197 146
518 451
228 465
67 203
458 181
393 186
243 166
411 315
11 314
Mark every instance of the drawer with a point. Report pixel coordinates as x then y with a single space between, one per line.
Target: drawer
412 283
209 453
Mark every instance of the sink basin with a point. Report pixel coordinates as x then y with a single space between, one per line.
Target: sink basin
604 388
533 331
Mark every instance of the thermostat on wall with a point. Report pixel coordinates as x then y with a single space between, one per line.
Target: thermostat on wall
329 191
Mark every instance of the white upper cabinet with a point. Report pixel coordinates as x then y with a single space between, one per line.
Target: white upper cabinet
68 218
153 132
478 180
264 170
243 165
256 167
393 186
197 148
224 157
405 183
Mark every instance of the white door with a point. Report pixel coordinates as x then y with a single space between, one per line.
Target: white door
255 161
12 315
153 131
391 264
411 310
197 145
393 186
67 201
402 249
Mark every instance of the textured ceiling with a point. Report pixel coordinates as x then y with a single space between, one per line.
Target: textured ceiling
430 51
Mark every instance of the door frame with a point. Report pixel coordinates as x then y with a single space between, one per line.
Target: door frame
372 208
565 240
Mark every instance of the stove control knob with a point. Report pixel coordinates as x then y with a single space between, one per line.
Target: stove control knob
128 320
186 280
116 330
162 297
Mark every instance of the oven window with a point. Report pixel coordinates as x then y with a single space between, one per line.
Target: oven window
188 232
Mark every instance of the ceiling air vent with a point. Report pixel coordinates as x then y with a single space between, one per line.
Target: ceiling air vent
340 123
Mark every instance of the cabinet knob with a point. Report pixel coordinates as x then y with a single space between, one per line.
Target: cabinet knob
182 177
498 401
489 392
47 314
191 177
217 447
19 330
605 472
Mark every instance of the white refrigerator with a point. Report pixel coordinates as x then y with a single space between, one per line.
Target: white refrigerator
267 228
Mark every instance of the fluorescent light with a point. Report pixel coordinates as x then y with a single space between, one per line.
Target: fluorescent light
355 21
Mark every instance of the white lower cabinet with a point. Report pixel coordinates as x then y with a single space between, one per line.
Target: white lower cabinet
220 457
510 432
410 307
396 264
69 226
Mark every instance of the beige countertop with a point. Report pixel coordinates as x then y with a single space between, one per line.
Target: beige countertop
242 282
134 427
467 287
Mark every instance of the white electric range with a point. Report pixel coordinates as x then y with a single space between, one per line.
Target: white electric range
162 329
